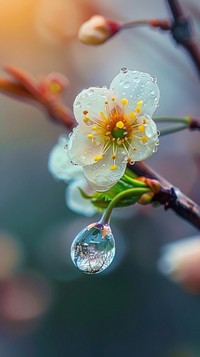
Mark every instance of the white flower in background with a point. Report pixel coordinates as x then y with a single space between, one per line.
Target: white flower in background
181 262
115 127
61 168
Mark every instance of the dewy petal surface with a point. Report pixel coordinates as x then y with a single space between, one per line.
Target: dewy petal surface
81 150
59 164
74 199
91 100
136 86
99 175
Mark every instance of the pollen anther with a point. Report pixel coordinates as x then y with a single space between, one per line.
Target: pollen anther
86 119
120 124
113 167
90 136
124 101
144 139
98 158
141 128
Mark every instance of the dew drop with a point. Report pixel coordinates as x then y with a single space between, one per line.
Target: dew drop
126 85
124 69
93 249
78 104
121 82
90 92
154 79
152 92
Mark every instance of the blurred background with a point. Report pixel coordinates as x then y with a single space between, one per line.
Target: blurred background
48 308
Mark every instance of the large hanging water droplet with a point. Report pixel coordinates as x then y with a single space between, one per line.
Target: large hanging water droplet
93 249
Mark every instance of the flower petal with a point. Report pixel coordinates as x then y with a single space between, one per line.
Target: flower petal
99 175
145 149
81 150
136 86
91 100
75 201
59 164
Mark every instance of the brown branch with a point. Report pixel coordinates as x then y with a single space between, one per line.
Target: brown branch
182 32
169 196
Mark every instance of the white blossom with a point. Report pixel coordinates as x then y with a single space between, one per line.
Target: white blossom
61 168
115 127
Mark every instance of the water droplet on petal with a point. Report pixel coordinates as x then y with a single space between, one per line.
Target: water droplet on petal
78 104
124 69
126 85
121 82
154 79
90 92
152 92
93 249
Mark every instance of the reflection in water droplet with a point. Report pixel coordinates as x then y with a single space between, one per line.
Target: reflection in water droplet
121 82
93 249
152 92
124 70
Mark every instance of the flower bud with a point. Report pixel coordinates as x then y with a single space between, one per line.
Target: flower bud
98 30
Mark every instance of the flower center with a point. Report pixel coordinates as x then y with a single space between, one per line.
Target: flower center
116 129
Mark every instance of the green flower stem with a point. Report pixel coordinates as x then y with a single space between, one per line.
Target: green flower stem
185 120
132 191
135 183
172 129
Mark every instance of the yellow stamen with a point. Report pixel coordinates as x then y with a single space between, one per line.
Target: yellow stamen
138 109
55 87
128 159
124 101
86 119
90 136
94 127
144 121
114 156
98 158
113 167
141 128
103 116
113 99
120 124
106 102
144 139
139 103
85 112
132 115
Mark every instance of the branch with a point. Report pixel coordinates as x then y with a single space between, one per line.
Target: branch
182 32
171 197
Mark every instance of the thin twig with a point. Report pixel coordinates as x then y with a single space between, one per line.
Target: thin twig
170 196
182 32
